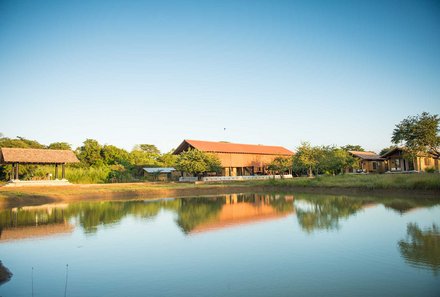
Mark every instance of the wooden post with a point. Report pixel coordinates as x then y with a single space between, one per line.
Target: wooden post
16 171
63 171
56 171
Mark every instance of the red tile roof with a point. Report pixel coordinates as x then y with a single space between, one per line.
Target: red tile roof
226 147
36 156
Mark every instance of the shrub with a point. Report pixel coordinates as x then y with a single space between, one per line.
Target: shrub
430 170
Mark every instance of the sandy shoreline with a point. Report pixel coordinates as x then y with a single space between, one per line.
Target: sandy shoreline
25 196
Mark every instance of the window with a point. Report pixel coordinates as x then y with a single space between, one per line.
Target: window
374 165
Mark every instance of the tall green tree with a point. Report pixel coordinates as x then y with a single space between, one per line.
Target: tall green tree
59 146
197 162
148 148
350 147
333 160
20 142
280 164
90 153
306 157
113 155
168 159
386 149
145 155
419 133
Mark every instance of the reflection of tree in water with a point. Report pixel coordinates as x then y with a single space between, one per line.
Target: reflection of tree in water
281 204
403 205
421 248
91 215
324 212
194 211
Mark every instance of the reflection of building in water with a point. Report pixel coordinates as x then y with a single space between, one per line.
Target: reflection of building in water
238 210
35 231
33 221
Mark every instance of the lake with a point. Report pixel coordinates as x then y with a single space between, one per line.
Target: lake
230 245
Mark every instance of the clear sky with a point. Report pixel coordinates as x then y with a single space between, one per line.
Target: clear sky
270 72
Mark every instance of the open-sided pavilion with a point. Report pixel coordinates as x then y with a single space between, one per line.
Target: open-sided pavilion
26 156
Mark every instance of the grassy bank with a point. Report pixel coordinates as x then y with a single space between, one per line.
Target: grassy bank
347 184
368 182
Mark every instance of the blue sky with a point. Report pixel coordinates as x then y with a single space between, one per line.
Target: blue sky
270 72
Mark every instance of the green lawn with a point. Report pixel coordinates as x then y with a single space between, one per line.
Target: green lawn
422 181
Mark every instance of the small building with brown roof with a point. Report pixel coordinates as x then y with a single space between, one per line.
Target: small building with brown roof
369 162
398 161
23 156
238 159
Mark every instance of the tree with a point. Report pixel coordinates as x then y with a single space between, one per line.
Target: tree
145 154
90 153
306 157
168 159
350 147
333 160
214 163
20 142
113 155
386 149
142 158
419 134
59 146
280 164
148 148
197 162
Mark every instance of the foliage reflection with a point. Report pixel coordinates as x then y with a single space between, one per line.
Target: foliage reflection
324 213
191 212
421 248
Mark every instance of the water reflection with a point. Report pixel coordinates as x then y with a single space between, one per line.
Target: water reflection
199 214
193 214
325 212
370 253
315 213
33 222
421 248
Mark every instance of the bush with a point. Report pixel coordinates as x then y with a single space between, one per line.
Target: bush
430 170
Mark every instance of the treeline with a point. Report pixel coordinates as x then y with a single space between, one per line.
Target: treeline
98 163
313 160
108 163
416 134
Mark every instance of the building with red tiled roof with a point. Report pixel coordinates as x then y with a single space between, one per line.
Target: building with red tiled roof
238 159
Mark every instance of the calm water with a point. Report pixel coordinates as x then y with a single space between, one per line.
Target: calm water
233 245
